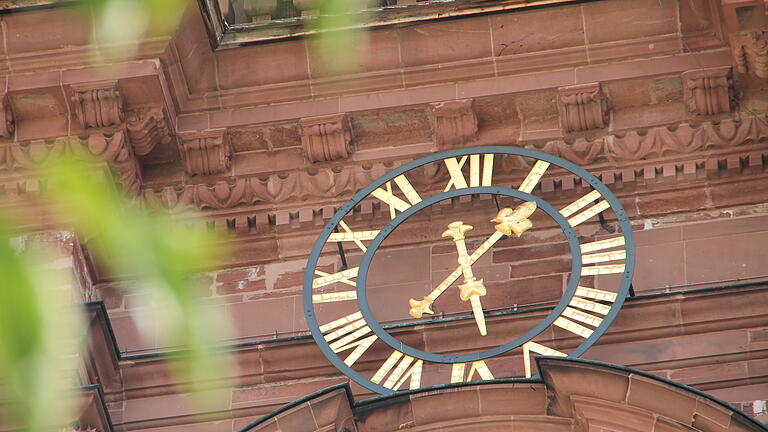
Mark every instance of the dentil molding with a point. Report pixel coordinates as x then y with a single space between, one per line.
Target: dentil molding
338 182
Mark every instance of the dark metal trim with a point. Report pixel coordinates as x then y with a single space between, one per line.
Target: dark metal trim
632 371
300 401
594 182
573 281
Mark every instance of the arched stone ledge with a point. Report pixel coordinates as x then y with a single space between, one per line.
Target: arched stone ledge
571 395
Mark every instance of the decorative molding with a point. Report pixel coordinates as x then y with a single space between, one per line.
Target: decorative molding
660 141
708 91
146 128
326 138
7 123
453 123
206 153
98 105
750 52
285 188
338 183
582 107
110 148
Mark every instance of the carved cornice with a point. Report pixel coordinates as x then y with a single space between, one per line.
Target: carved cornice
750 52
326 138
332 184
660 141
293 187
453 123
582 107
98 105
146 128
111 148
708 91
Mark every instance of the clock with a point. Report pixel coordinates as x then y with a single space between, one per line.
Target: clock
466 320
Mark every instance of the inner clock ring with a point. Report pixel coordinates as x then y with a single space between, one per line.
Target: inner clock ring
365 263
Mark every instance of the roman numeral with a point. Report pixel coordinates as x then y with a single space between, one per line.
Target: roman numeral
595 294
353 236
349 332
478 176
533 347
334 296
406 368
342 276
533 177
457 371
601 257
395 203
580 204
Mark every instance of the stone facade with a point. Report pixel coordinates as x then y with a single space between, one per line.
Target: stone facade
669 112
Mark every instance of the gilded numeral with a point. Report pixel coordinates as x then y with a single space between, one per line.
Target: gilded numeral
583 294
602 244
533 347
580 204
573 327
353 236
342 276
349 332
533 177
602 269
402 367
480 174
479 367
583 317
596 294
334 297
395 203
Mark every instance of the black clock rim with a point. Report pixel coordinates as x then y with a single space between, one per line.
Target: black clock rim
594 182
378 330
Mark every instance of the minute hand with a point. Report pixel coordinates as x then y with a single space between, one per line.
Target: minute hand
419 307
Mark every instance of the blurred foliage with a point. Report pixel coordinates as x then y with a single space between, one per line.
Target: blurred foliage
39 333
36 334
339 45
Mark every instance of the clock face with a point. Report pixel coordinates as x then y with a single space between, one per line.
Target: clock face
447 272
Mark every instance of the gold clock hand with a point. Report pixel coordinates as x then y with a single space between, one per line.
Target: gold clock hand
420 307
508 221
477 311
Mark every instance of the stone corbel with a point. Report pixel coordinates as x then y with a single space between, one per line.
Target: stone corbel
453 123
97 105
7 124
206 152
708 91
326 138
146 128
750 52
582 107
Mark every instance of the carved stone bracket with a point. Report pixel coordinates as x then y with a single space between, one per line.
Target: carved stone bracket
326 138
750 52
708 91
329 184
146 128
206 153
98 105
582 107
661 141
7 125
453 123
112 149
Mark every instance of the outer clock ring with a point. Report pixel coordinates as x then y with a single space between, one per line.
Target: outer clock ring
594 182
573 280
